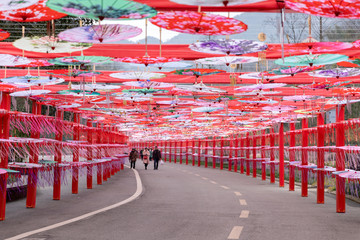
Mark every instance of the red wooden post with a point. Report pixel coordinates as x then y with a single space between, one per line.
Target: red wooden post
75 170
175 151
99 165
230 153
320 159
34 158
5 122
57 157
222 153
236 153
254 154
90 155
242 142
281 155
165 153
247 154
263 143
304 159
292 157
272 155
340 159
193 151
214 152
199 152
206 152
170 150
181 151
187 151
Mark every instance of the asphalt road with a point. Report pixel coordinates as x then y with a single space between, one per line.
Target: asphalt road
184 202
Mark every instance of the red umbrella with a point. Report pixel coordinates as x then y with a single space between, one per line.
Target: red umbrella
3 35
34 13
198 23
146 60
327 8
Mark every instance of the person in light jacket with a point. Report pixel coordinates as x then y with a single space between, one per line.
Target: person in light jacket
146 155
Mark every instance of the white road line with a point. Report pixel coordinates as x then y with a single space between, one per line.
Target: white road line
225 187
213 182
139 190
204 178
235 232
244 214
237 193
242 202
197 175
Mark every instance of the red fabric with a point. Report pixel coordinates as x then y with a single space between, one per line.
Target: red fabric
166 5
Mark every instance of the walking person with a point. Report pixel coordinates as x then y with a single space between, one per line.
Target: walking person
146 155
156 157
142 154
132 158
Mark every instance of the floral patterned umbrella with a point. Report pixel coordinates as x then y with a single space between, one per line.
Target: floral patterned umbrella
302 98
100 9
197 72
80 60
260 86
312 60
32 80
327 8
215 2
95 87
148 84
78 93
346 91
37 63
227 60
207 109
144 91
132 96
325 85
260 75
228 46
307 47
3 35
146 60
29 93
100 33
138 75
11 4
48 44
199 87
198 23
34 13
258 100
7 60
177 65
336 73
293 70
73 73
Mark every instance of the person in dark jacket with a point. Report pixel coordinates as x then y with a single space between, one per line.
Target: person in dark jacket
132 157
156 157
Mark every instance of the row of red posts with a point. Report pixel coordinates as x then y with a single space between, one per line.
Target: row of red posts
240 149
105 139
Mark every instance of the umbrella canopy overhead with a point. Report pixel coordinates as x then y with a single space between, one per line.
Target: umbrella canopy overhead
226 60
100 33
231 46
11 4
147 60
327 8
138 75
10 60
148 84
336 73
198 23
4 35
80 60
34 13
48 44
312 60
215 2
100 9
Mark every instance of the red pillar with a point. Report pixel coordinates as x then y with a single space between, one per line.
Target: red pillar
263 166
34 158
187 151
304 159
214 152
340 159
236 153
90 155
5 122
199 152
57 157
99 166
170 150
320 159
181 151
272 156
247 154
175 151
221 153
292 157
165 149
281 155
75 170
193 151
242 142
206 152
231 141
254 154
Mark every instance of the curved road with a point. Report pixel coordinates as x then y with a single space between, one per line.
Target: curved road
183 202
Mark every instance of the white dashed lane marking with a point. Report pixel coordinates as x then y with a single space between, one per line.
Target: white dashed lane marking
235 232
242 202
237 193
225 187
244 214
204 178
213 182
197 175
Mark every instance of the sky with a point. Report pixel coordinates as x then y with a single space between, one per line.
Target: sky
153 30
